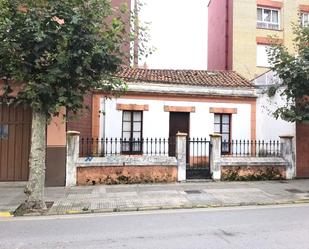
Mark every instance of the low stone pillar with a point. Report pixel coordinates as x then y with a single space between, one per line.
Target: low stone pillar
72 156
288 154
215 155
181 155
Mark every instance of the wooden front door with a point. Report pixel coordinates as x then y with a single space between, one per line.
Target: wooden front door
179 122
15 131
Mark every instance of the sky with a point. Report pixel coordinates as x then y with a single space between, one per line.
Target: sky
178 30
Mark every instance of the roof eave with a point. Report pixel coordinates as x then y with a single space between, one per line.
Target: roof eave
147 87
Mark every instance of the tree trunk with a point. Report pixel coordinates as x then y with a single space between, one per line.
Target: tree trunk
35 187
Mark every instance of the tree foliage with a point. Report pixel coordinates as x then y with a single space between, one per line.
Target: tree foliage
139 35
293 72
59 50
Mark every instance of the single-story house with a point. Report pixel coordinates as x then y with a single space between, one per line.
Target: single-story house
157 105
160 103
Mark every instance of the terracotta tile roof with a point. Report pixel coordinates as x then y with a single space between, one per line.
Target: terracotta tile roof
185 77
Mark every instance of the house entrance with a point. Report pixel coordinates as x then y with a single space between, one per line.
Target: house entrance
15 131
198 149
198 166
179 122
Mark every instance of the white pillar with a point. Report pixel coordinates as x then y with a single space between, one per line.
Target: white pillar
215 155
181 155
72 156
287 152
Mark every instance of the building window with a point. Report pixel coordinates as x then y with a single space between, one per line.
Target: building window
262 56
305 19
132 126
4 131
268 18
223 127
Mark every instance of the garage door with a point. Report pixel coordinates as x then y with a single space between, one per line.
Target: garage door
15 131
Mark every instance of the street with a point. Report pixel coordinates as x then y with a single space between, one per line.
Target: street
241 227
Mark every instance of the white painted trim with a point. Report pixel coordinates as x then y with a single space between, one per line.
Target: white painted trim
270 23
192 90
303 14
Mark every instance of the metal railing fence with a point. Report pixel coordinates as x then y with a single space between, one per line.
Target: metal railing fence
251 148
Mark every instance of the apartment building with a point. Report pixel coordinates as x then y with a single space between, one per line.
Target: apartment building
239 31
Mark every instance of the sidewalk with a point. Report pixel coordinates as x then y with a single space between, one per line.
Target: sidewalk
109 198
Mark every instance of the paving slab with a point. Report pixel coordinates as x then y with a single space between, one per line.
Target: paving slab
240 195
110 198
11 195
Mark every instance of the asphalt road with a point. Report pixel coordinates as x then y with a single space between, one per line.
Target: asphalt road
250 228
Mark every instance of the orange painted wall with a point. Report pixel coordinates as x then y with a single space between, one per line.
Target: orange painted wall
56 131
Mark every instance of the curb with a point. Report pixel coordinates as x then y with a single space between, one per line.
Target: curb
167 207
5 214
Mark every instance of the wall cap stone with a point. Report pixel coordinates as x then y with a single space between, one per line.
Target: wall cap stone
83 165
251 161
127 161
181 134
73 133
286 136
215 135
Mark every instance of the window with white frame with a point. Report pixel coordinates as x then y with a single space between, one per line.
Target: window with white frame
268 18
305 19
262 56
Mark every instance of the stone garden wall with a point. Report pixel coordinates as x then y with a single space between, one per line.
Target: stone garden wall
126 170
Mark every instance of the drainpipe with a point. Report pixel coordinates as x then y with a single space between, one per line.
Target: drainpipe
101 146
102 118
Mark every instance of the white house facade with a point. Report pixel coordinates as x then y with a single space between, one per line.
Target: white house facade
156 119
207 102
176 125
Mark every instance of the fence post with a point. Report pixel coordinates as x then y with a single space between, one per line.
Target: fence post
72 156
287 152
215 155
181 155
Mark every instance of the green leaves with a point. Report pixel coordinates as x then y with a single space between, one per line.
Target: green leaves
293 70
60 50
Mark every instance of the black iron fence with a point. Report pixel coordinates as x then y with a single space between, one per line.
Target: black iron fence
251 148
198 149
198 158
95 147
198 152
